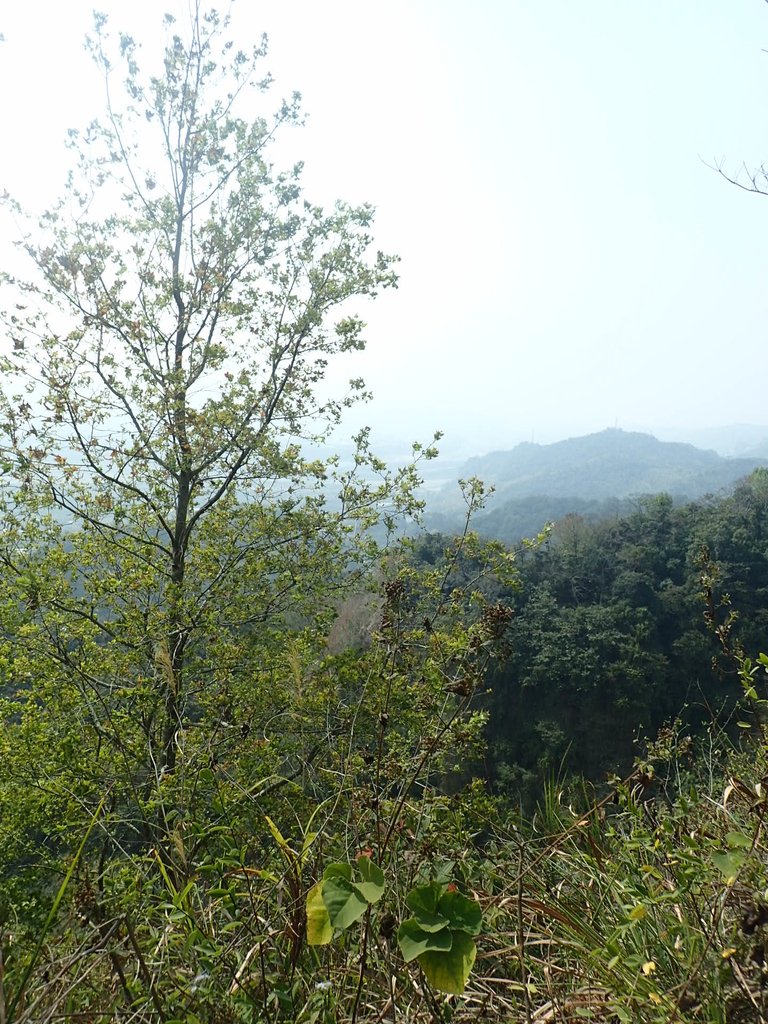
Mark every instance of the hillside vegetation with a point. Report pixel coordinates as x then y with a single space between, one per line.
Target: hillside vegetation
212 809
481 742
595 476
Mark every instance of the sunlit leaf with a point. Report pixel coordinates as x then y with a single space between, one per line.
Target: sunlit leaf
371 886
319 928
343 902
729 864
449 971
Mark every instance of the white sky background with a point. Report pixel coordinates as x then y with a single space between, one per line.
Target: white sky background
569 263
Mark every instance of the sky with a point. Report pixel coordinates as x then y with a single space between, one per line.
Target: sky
570 258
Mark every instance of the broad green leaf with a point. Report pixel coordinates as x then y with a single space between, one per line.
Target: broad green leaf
424 899
431 922
413 940
319 929
462 912
735 839
728 864
449 971
372 885
338 871
343 902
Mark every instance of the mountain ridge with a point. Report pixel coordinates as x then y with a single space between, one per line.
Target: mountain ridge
603 469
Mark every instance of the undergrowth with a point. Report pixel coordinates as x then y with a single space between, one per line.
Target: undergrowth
646 905
428 899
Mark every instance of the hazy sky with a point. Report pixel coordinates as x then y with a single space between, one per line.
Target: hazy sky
569 260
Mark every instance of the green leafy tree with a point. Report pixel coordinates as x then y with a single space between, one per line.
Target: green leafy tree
171 542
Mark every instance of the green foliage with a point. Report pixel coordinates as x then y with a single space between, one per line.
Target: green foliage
341 898
26 971
609 642
172 547
231 895
439 934
211 813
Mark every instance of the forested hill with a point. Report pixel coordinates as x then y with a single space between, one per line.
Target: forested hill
592 475
609 464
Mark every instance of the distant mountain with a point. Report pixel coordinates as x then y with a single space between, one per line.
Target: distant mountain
743 440
589 475
610 464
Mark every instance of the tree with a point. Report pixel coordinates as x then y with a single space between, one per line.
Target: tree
165 513
172 550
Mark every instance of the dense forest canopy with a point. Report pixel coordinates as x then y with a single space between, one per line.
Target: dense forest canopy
610 640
